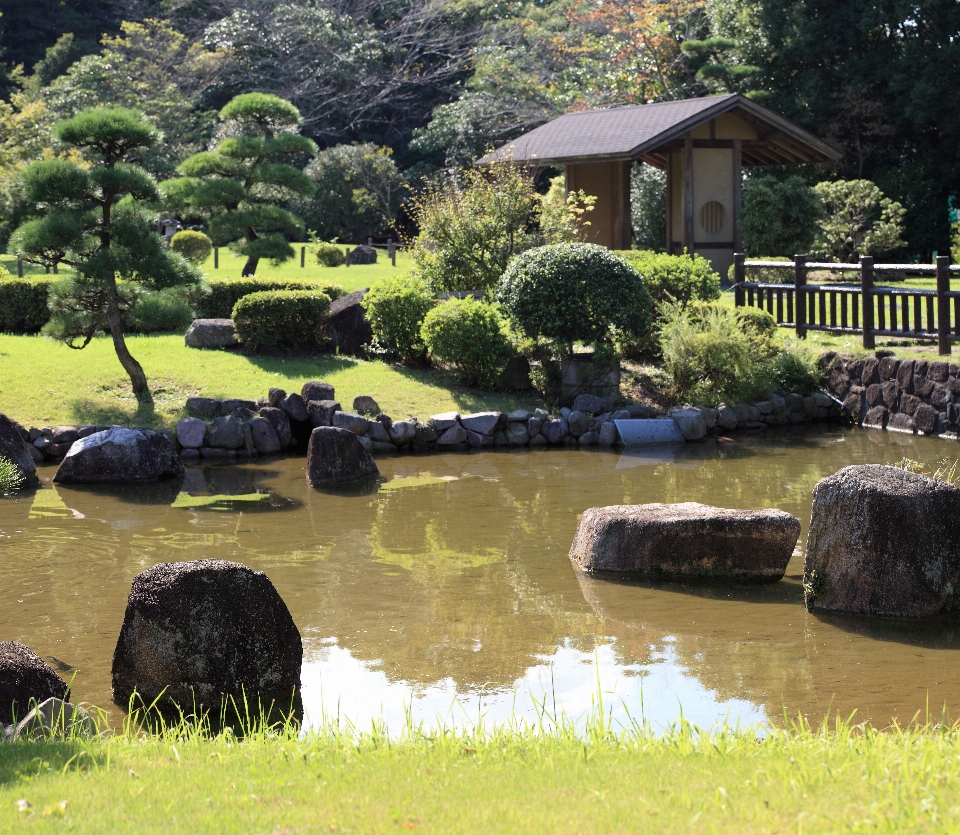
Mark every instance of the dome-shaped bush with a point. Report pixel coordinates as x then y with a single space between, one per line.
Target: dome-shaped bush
575 293
194 246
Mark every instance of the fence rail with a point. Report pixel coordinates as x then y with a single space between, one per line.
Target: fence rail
866 309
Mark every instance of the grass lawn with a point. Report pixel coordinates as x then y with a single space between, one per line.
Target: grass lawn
350 278
505 781
45 383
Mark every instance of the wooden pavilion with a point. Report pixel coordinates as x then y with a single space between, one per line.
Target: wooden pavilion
703 145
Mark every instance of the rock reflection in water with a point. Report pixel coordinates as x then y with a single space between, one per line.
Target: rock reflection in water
451 578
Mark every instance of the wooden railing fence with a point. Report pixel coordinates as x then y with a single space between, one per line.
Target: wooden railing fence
866 309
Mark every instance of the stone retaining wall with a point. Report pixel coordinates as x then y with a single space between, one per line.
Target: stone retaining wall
883 392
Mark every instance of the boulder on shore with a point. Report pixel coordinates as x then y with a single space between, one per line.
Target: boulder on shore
336 456
120 455
883 542
363 254
346 326
13 448
685 541
25 680
211 333
196 633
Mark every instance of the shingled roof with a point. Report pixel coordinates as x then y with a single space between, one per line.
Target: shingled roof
646 131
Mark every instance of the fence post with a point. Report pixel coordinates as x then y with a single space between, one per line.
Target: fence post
392 252
866 297
19 267
799 285
303 257
369 241
739 276
216 258
346 257
943 304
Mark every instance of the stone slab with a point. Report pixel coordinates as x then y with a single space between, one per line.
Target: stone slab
640 432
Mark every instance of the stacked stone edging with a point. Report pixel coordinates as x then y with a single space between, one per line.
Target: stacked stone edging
883 392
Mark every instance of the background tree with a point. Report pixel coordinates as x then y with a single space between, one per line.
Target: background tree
779 217
241 184
83 224
858 220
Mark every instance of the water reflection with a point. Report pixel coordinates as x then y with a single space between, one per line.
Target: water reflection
447 586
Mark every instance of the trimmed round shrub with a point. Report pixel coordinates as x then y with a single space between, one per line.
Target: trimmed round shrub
756 322
23 304
160 311
194 246
223 293
395 309
575 293
280 319
328 255
682 278
469 335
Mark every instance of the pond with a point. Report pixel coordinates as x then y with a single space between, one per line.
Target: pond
446 595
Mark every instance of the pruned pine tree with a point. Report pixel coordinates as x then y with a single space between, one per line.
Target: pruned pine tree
90 219
240 185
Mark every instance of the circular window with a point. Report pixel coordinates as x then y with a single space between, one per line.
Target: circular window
712 216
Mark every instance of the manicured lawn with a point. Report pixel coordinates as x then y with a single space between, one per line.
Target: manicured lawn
510 782
350 278
45 383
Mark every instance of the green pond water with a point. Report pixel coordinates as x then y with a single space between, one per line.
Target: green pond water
446 593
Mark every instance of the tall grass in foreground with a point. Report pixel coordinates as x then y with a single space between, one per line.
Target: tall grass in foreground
552 775
11 479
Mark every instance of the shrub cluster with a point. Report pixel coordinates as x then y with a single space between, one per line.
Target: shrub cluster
572 292
681 278
161 311
224 293
471 336
23 304
395 309
280 319
194 246
328 255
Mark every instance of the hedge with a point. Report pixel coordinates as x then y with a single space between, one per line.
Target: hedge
226 292
23 304
280 319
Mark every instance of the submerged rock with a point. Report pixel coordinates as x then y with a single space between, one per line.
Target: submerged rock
684 541
195 633
24 678
120 455
884 542
336 456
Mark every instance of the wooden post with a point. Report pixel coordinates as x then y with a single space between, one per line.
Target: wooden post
369 241
19 267
216 258
669 201
800 293
943 305
866 297
392 252
737 190
303 257
346 257
688 195
739 276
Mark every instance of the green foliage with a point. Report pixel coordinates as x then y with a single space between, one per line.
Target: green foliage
682 278
223 293
470 228
194 246
946 470
575 293
714 354
395 309
564 217
469 335
780 217
859 221
358 192
23 304
648 207
240 185
328 255
161 311
11 479
280 319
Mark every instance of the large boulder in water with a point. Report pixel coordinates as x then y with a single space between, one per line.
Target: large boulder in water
685 541
336 456
120 455
196 633
25 681
883 542
346 327
13 448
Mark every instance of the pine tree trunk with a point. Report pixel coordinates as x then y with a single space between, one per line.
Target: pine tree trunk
133 368
250 268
